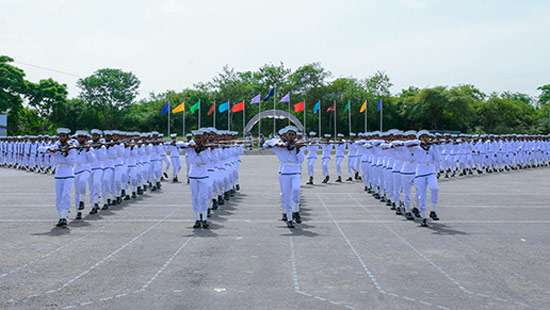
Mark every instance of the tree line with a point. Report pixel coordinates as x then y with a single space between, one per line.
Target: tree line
108 100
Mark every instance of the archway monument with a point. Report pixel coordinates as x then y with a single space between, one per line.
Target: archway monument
273 114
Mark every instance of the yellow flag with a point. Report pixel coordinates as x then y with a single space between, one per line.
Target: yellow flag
363 107
179 108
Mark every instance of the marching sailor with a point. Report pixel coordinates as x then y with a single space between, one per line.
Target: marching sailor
427 166
312 149
290 154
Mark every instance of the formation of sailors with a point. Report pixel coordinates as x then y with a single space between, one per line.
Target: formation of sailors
213 161
112 166
391 163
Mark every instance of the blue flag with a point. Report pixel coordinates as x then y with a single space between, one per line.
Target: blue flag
256 99
379 105
317 106
223 107
165 109
270 93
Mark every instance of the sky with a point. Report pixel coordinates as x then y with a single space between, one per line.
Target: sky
173 44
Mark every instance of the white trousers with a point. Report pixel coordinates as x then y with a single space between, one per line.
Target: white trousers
339 160
81 182
176 165
200 190
290 193
63 188
311 166
421 184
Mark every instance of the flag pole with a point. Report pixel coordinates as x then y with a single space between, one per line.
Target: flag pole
366 110
381 113
169 112
305 106
274 119
349 117
215 108
183 117
260 120
199 114
320 111
289 101
244 116
228 115
335 120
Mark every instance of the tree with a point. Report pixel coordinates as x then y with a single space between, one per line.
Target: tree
378 85
110 91
12 87
544 97
46 96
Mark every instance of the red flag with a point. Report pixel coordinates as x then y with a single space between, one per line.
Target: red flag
212 109
299 107
237 107
332 108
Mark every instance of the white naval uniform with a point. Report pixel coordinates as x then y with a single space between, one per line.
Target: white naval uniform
311 158
199 181
290 170
326 149
64 180
340 155
427 165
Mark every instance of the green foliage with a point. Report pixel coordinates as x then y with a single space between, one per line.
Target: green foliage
108 100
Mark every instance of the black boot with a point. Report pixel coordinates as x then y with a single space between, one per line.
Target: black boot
409 216
214 204
366 189
289 224
78 216
296 217
81 205
127 197
208 213
205 225
349 179
165 175
175 180
310 182
424 222
325 180
284 218
416 212
393 206
139 191
94 209
237 187
105 207
221 201
197 224
433 216
339 180
134 196
61 223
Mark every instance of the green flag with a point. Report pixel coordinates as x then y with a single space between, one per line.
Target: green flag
195 107
347 106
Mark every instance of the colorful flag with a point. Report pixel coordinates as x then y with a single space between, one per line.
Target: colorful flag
212 109
286 98
299 107
332 108
165 109
256 99
347 106
237 107
317 106
270 93
379 105
363 107
195 107
223 107
179 108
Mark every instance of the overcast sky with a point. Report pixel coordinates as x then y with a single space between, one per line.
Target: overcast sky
169 44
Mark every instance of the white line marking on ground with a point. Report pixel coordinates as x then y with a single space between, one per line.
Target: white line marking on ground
358 257
436 266
155 276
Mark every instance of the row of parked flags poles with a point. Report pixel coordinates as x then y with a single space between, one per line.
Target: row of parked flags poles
226 106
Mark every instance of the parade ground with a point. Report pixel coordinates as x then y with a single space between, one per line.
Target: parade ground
491 249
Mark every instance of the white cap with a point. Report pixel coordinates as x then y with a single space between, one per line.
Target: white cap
423 133
340 135
65 131
173 135
412 143
82 133
288 129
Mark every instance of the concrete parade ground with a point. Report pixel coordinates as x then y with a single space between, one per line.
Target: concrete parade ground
490 250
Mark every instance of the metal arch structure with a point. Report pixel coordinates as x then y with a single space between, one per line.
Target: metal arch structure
280 114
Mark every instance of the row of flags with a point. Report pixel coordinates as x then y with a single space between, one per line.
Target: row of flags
240 106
